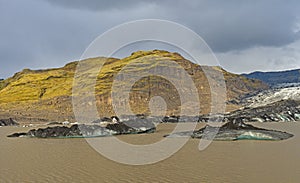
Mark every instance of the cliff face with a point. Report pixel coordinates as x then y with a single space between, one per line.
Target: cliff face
43 95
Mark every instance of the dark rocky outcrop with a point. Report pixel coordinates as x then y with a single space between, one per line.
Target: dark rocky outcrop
236 129
285 110
83 130
8 122
171 119
281 111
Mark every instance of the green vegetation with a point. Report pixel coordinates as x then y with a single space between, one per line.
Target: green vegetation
28 85
35 91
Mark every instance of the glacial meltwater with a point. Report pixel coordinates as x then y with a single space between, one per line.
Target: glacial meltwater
73 160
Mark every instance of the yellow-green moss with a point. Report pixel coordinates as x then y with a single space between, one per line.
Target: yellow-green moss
29 85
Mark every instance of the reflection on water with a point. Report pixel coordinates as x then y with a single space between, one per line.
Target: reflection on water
73 160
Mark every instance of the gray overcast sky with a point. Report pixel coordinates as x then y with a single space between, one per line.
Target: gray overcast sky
245 35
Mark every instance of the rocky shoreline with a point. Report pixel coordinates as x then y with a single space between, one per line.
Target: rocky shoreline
234 129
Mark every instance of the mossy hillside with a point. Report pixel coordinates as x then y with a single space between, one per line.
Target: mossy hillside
32 85
48 92
134 65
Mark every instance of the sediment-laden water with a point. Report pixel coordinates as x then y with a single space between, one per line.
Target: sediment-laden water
73 160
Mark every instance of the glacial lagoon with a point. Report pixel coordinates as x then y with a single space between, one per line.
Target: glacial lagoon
73 160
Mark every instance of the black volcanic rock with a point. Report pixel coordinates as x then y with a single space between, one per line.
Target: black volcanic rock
285 110
18 135
234 130
171 119
83 130
8 122
121 128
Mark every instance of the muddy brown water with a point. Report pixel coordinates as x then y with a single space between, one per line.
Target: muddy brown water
74 160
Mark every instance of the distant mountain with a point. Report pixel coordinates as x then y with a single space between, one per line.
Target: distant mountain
276 78
46 95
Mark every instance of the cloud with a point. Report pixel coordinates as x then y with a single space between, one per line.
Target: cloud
225 25
94 5
50 33
262 59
